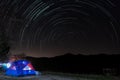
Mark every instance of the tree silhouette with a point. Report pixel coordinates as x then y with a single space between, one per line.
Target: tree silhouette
4 44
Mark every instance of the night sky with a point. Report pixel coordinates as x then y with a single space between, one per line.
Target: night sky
47 28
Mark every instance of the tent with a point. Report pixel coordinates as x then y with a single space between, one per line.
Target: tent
20 68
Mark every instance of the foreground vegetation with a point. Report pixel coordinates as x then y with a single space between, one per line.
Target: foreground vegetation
60 76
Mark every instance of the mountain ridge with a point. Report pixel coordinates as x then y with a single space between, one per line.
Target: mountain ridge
95 64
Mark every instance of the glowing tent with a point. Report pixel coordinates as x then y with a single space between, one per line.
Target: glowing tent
20 68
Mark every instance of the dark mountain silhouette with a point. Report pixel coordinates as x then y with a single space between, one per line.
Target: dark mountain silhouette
84 64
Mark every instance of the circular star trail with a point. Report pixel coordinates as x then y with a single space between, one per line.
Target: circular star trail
54 27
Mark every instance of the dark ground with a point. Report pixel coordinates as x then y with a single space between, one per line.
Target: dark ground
60 76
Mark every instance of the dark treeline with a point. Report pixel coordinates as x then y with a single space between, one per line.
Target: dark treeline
4 44
83 64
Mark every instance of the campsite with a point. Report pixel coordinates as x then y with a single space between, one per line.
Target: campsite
59 39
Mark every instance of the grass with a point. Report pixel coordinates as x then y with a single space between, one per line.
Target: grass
81 76
60 76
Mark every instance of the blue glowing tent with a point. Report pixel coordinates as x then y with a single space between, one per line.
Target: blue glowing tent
20 68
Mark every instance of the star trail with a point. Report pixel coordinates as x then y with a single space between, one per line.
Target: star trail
55 27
